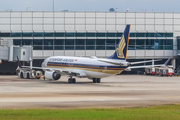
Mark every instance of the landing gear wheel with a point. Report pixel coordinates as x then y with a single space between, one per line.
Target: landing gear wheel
70 80
73 80
28 76
94 80
98 80
21 74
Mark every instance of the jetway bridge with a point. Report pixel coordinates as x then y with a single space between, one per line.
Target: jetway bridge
9 53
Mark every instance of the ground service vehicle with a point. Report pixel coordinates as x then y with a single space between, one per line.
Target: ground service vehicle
29 73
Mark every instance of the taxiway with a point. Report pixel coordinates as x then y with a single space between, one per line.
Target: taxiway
115 91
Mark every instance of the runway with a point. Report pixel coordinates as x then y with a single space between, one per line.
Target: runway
115 91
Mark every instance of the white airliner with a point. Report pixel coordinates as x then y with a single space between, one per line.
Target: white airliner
92 68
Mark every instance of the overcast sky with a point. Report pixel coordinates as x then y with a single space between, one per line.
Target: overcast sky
92 5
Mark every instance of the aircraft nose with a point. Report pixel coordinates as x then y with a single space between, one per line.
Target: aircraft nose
42 65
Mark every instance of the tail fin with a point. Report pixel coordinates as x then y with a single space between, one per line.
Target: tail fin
122 48
165 64
19 64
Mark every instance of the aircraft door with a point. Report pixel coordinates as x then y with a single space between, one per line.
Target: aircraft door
105 68
70 64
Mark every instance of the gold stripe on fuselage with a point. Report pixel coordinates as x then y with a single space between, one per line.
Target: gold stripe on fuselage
108 71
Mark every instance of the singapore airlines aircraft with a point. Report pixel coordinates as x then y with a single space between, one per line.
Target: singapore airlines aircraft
92 68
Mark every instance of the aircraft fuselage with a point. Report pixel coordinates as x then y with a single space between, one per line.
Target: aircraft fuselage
89 67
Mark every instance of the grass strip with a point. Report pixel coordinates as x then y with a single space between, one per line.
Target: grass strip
167 112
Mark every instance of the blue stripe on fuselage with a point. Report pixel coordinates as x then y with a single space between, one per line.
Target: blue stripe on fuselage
84 65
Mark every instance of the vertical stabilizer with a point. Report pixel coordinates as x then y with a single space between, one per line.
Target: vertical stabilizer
165 64
122 48
19 64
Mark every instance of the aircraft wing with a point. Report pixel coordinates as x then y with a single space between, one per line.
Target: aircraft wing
133 63
133 67
146 66
61 71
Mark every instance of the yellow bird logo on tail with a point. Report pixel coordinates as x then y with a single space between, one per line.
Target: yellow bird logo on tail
120 48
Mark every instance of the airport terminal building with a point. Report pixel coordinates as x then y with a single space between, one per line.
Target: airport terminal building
153 35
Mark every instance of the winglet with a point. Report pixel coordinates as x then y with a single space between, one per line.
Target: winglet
167 61
19 64
121 50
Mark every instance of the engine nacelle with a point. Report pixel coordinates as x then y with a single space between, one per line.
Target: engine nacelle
51 75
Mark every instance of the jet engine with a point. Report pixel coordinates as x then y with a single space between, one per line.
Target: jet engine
51 75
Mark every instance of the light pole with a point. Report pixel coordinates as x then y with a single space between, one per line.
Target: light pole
53 5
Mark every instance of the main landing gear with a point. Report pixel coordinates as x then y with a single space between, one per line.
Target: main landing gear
71 80
96 80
